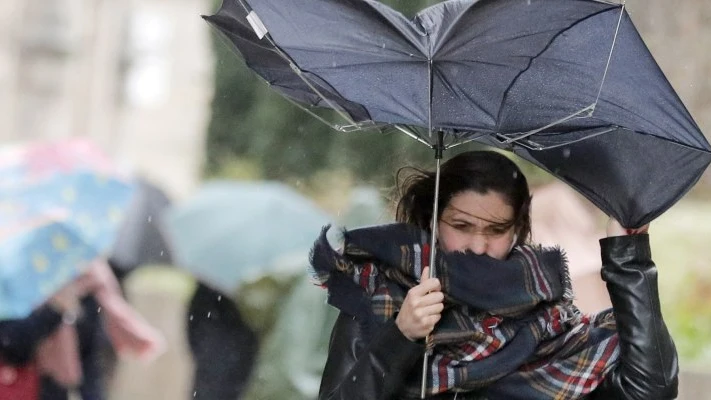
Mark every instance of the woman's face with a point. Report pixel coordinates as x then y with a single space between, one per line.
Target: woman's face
479 223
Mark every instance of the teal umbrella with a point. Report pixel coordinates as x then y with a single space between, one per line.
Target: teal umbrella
230 232
365 207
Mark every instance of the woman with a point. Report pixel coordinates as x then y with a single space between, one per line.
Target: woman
499 322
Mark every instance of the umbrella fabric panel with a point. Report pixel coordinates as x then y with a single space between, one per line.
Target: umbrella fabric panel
270 65
31 162
141 240
634 190
36 263
378 52
94 204
483 51
567 76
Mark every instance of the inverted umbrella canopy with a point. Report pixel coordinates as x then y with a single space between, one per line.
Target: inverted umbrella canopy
230 233
568 85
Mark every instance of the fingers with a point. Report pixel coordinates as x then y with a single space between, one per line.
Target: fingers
429 285
430 310
614 228
421 309
425 274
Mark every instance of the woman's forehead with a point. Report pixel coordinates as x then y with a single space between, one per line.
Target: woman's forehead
490 206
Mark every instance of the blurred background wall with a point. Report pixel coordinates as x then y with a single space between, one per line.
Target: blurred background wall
135 76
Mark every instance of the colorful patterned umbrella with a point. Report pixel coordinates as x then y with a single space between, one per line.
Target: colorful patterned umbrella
52 222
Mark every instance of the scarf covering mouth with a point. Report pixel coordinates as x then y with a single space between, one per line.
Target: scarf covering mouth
509 329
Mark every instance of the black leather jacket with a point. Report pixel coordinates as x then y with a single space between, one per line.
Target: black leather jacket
647 368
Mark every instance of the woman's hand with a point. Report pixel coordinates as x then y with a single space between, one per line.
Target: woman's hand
614 228
422 308
96 280
67 299
99 278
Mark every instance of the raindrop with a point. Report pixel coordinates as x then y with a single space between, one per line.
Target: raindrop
98 310
383 46
219 298
195 393
161 252
566 152
354 378
191 317
515 174
150 218
209 313
411 55
334 64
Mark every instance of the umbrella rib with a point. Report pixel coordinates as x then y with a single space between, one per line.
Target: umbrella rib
471 139
545 48
609 57
360 126
540 147
524 135
411 134
320 118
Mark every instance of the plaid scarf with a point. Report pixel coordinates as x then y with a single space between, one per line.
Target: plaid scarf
509 329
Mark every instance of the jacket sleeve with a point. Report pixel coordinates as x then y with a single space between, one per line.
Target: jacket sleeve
648 367
19 337
357 369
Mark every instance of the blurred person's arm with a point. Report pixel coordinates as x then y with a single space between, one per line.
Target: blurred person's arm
19 338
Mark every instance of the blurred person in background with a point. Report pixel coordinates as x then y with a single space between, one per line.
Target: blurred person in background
222 345
55 350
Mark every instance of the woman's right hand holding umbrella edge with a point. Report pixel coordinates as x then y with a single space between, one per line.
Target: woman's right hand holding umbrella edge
421 309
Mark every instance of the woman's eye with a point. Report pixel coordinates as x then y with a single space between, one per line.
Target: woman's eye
497 231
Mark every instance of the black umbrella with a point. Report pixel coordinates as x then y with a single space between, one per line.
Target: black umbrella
141 240
568 85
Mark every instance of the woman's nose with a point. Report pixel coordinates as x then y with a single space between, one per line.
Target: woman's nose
478 244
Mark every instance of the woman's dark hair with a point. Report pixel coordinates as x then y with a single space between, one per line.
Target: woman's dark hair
478 171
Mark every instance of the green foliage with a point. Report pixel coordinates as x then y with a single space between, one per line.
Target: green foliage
679 245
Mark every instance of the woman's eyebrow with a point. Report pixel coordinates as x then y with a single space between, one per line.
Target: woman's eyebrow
477 216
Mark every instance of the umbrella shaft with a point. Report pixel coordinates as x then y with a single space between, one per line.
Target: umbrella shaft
432 274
